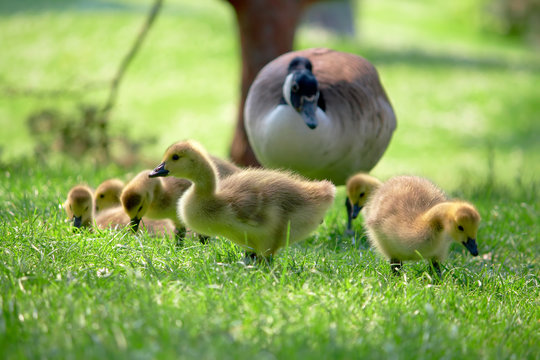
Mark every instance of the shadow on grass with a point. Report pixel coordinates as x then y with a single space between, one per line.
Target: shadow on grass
421 58
417 57
11 7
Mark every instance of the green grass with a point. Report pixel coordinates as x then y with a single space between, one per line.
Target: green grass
468 118
113 294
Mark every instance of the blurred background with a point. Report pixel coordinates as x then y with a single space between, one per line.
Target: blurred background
463 77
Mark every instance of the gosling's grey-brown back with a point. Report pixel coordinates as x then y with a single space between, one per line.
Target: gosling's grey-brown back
410 218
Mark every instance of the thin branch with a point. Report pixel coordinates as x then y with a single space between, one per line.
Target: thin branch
130 55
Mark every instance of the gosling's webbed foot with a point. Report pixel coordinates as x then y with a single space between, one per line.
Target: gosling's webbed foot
180 235
203 239
395 266
349 208
253 258
250 257
437 268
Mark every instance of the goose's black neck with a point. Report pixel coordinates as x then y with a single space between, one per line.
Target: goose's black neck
303 69
300 63
320 103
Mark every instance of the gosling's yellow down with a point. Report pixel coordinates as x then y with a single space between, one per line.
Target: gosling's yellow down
156 198
359 188
116 218
255 208
79 207
409 218
153 198
107 194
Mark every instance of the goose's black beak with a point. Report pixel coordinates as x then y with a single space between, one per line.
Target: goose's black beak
134 224
159 171
471 246
77 221
356 210
308 110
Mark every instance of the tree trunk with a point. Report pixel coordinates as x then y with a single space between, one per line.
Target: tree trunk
267 30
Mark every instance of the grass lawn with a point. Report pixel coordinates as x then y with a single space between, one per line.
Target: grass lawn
468 112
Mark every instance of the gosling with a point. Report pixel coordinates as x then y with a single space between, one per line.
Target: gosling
79 207
359 188
157 198
258 209
107 194
409 218
153 198
116 218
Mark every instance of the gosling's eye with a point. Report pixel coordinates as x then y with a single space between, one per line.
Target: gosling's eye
175 157
362 194
460 228
101 196
295 87
140 208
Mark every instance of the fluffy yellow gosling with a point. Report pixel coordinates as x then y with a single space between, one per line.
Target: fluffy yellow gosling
79 206
409 218
153 198
156 198
359 188
255 208
107 194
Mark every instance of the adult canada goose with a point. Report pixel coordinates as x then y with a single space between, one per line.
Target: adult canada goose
359 188
107 194
255 208
409 218
319 112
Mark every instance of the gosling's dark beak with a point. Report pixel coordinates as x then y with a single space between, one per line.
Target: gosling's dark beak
471 246
134 224
308 110
356 210
159 171
77 221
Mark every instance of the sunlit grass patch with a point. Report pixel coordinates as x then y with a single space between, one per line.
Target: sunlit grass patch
467 108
